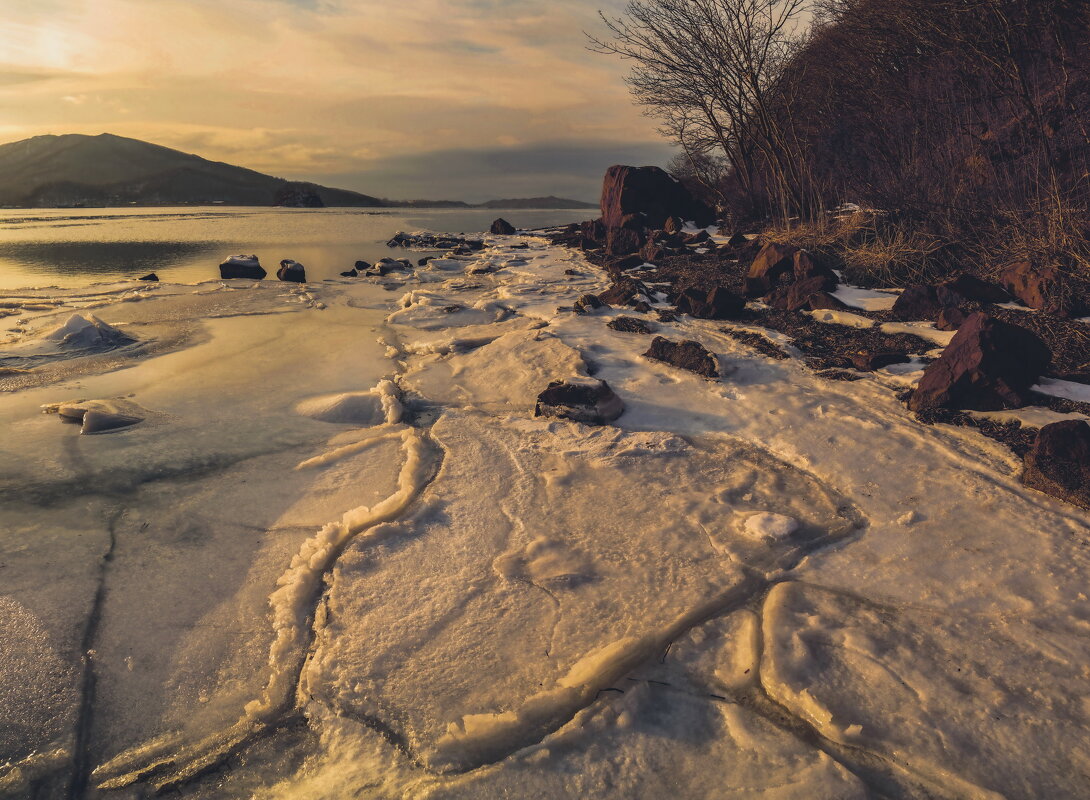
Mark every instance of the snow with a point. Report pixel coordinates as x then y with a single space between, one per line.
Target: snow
866 299
925 330
1069 390
341 557
835 317
1028 417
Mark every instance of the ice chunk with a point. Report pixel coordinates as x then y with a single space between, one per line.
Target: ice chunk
88 333
767 525
104 422
373 407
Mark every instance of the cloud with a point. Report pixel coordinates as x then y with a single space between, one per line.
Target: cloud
308 87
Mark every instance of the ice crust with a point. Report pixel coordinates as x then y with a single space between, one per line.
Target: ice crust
340 557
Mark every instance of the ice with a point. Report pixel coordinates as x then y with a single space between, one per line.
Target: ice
1069 390
866 299
341 557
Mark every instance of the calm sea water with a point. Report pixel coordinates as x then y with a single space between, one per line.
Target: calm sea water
67 248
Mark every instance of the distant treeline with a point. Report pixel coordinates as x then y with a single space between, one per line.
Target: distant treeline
966 121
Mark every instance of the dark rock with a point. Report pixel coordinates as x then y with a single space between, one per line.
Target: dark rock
649 191
780 263
423 262
973 288
652 252
485 270
687 355
1058 464
587 401
594 230
242 267
925 302
665 315
869 361
572 272
806 294
627 262
362 266
587 302
292 271
698 238
451 309
502 227
352 273
621 241
737 241
989 365
642 306
624 292
719 303
151 276
520 246
630 325
950 319
673 224
1045 288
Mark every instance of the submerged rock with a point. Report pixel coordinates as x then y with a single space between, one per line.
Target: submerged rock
1058 464
688 355
588 401
151 276
502 227
989 365
292 271
242 267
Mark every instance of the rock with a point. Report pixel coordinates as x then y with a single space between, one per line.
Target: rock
572 272
630 325
423 262
1058 464
502 227
624 292
292 271
808 293
973 288
151 276
925 302
103 422
1044 288
586 303
950 319
588 401
652 192
719 303
697 238
594 230
652 252
989 365
673 224
737 241
869 361
775 262
665 315
362 266
688 355
627 262
621 241
242 267
642 306
352 273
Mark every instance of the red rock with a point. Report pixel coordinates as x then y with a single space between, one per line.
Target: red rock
950 319
824 300
803 294
621 241
925 302
973 288
1044 288
688 355
774 262
673 224
630 325
649 191
989 365
624 292
700 237
1058 464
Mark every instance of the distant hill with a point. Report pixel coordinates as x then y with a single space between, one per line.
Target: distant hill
108 170
549 202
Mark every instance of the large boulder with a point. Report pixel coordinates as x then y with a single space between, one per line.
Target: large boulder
780 263
651 192
292 271
925 302
688 355
1045 288
989 365
588 401
242 267
719 303
502 227
1059 462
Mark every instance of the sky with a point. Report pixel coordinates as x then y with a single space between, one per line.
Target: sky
460 99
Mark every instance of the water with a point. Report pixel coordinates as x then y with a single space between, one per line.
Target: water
76 247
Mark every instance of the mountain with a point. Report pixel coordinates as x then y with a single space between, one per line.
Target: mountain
549 202
111 170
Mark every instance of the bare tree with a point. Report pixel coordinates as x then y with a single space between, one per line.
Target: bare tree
712 71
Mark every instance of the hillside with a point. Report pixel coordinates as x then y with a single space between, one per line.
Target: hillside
112 170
